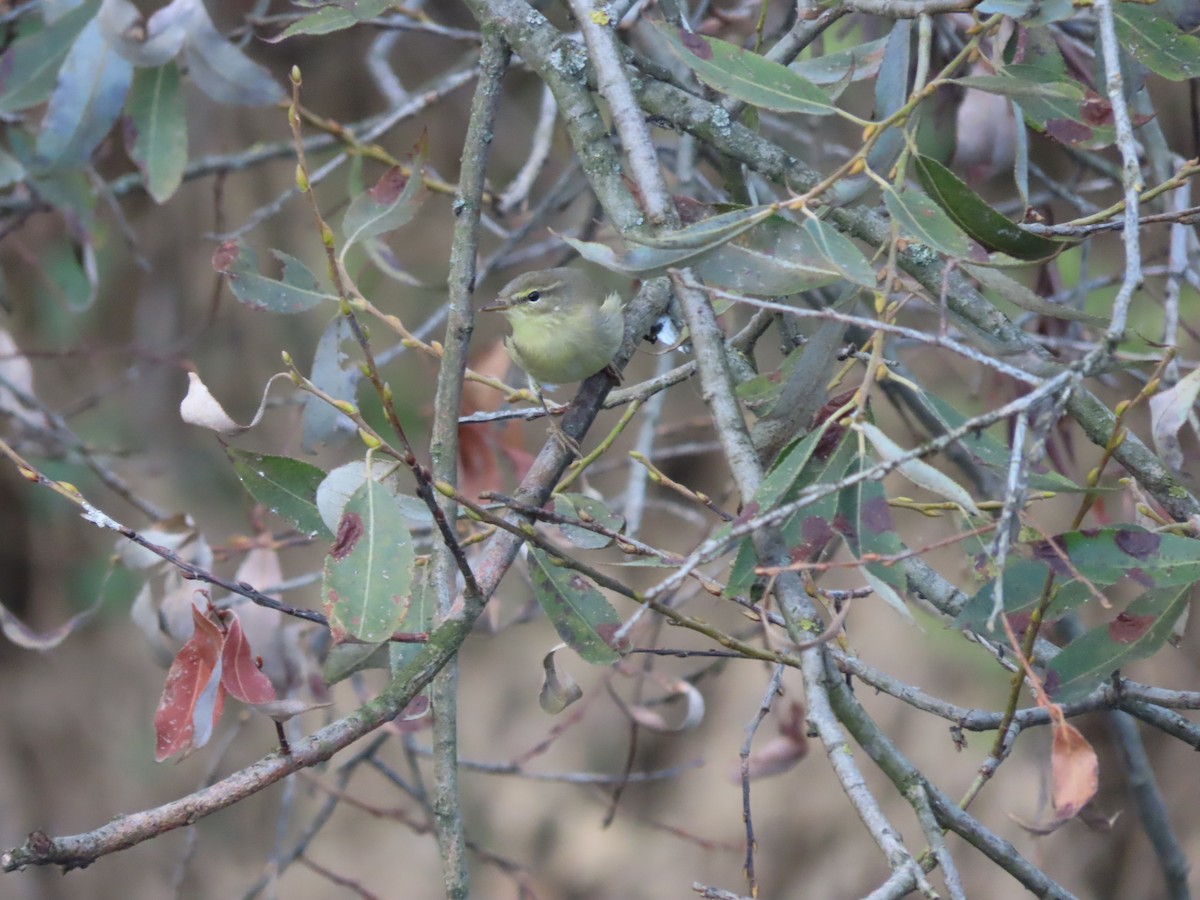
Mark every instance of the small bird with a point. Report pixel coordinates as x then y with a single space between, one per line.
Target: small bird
565 327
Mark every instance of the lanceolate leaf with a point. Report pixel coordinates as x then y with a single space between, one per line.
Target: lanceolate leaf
985 450
1085 563
392 202
29 67
420 617
297 292
334 373
921 219
856 63
809 532
1022 89
369 569
156 132
659 252
579 506
973 215
335 17
1149 32
778 257
865 521
578 611
87 98
221 70
1008 288
706 233
747 76
287 487
1105 555
1134 634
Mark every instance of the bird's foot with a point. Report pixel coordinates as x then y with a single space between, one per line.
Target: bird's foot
564 440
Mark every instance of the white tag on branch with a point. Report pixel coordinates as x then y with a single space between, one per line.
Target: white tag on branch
201 408
918 472
1169 412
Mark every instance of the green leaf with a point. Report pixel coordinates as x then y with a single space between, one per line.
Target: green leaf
662 251
587 509
29 67
974 216
343 660
391 203
707 233
1063 109
223 71
335 491
761 393
1021 89
287 487
325 20
921 219
1029 12
856 64
746 75
336 374
297 292
578 611
1149 32
369 569
865 520
87 98
984 450
335 17
156 129
420 617
1007 288
1106 555
68 274
840 252
1023 583
807 533
1134 634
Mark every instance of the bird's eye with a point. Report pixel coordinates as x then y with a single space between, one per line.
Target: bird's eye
533 296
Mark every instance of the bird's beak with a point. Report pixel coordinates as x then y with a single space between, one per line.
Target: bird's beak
496 305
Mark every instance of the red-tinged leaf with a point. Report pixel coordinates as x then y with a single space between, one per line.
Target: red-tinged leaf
1074 770
240 676
193 696
389 204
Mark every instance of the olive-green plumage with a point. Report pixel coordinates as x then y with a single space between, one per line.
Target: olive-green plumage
565 326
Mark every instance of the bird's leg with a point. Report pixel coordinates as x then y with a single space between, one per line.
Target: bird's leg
564 440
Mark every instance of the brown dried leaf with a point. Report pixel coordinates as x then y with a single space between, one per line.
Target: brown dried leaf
193 695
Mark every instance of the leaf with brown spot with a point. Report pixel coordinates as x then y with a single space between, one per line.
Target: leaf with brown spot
369 572
1138 632
576 609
